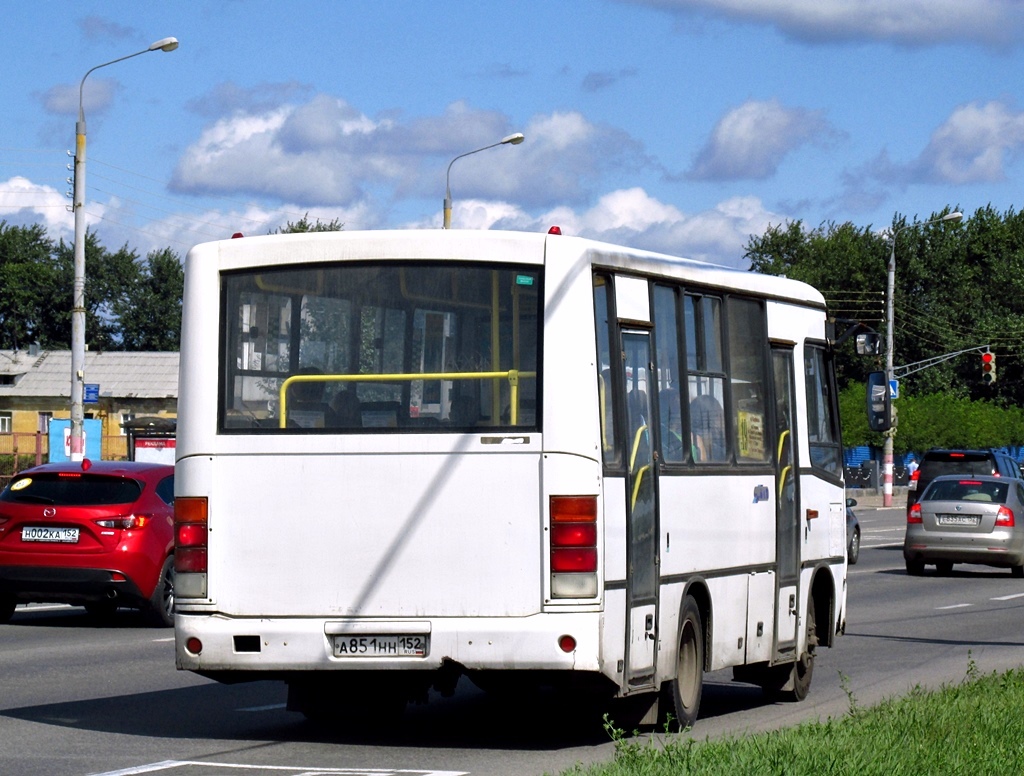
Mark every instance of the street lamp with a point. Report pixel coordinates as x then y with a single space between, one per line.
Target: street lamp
78 303
890 375
515 139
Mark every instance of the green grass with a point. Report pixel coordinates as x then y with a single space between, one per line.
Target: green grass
975 727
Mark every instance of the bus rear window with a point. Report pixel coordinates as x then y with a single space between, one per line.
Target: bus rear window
381 348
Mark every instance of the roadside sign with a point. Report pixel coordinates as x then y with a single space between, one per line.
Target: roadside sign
91 393
894 389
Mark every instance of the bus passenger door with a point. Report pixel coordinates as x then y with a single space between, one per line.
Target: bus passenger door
641 512
787 505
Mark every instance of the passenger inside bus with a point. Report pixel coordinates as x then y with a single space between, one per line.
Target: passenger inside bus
306 406
671 424
464 411
346 410
707 424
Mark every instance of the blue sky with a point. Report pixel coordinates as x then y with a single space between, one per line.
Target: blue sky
681 126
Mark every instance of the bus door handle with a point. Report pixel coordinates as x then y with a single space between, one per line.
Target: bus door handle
792 605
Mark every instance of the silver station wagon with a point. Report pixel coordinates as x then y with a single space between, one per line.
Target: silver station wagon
967 519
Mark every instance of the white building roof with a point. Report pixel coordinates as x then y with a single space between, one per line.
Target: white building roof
118 374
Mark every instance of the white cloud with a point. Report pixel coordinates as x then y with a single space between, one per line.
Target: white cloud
182 230
22 200
97 94
325 152
750 141
246 153
633 217
905 22
973 145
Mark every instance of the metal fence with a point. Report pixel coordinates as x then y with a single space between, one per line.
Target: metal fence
20 451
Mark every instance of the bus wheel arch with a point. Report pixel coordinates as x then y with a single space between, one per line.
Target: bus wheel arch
823 601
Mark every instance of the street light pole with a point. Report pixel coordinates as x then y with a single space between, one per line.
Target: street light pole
890 370
515 139
77 441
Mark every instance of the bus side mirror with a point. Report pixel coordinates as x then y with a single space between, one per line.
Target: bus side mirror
867 344
879 404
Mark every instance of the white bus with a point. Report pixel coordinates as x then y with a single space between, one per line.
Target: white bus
404 457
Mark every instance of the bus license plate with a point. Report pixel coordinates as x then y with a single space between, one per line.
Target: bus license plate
45 534
391 645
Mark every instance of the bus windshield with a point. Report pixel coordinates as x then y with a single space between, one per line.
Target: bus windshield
381 348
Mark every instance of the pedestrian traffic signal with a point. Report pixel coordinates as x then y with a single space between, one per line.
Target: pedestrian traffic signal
988 367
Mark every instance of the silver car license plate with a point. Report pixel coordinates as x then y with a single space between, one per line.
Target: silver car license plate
968 520
390 645
47 534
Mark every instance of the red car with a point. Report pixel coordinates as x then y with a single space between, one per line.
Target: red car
98 535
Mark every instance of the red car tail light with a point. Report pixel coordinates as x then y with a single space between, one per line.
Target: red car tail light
914 515
1005 517
125 523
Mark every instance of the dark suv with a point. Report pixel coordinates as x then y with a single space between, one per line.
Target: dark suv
937 462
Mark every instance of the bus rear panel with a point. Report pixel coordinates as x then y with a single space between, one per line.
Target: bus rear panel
407 457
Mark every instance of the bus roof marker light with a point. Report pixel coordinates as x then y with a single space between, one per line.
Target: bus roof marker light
555 230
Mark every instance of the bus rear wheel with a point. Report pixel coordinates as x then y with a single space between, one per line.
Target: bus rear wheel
681 696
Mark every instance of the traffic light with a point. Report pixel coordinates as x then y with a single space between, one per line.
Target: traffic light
988 367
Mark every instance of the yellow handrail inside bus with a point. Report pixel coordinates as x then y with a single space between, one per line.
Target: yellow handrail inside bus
512 375
636 485
636 445
782 479
782 438
785 469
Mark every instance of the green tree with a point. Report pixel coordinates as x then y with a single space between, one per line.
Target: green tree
846 263
305 225
148 312
958 287
32 307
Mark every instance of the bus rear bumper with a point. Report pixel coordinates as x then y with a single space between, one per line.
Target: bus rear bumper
214 643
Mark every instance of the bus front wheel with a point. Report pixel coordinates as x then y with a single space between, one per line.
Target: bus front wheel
681 696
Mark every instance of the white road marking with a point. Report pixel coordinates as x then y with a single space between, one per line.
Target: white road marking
44 607
166 765
1008 597
268 707
952 606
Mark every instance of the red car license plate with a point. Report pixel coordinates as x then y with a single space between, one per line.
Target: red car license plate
46 534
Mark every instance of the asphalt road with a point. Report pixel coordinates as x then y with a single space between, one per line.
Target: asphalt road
81 698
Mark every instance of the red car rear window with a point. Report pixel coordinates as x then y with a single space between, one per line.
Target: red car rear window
80 490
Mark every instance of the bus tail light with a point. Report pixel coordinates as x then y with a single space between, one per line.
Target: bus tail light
190 538
573 557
